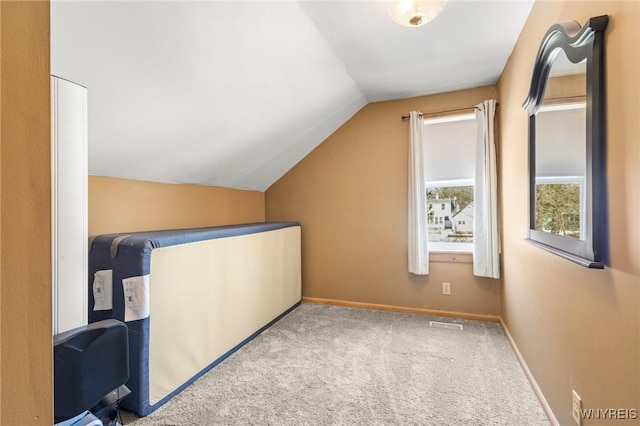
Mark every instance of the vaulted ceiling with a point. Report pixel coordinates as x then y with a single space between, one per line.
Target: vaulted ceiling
234 94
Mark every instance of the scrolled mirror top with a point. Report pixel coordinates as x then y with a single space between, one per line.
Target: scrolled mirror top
566 104
568 37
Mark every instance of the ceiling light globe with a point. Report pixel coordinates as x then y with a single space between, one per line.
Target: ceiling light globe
414 13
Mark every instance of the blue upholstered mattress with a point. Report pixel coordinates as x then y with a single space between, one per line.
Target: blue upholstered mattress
129 255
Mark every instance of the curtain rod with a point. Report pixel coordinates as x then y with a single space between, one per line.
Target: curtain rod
406 117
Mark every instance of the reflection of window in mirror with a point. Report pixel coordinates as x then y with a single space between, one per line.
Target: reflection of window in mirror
560 169
561 152
567 138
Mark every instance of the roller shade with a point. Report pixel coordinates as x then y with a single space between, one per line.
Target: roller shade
449 148
560 141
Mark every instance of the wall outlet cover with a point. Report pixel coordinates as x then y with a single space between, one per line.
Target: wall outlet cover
576 406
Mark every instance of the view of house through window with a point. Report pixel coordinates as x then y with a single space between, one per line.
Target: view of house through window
449 151
450 214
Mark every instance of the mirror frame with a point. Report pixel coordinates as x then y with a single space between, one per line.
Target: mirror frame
578 44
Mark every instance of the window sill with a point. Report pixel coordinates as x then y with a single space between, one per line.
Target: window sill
451 256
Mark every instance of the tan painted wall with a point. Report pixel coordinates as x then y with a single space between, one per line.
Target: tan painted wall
350 194
577 328
122 205
25 216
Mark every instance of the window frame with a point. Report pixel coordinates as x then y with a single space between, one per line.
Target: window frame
438 252
445 248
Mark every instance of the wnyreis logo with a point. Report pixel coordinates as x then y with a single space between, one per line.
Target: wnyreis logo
609 413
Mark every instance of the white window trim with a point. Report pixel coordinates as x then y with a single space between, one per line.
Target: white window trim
437 247
443 248
449 183
450 119
563 107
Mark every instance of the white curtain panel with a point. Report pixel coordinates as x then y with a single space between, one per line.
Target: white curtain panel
486 260
418 250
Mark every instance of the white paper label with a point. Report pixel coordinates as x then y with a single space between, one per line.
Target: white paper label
102 290
136 298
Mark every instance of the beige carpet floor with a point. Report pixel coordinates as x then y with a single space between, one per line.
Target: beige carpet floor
330 365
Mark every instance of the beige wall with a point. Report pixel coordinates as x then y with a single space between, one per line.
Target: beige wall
25 216
577 328
350 194
122 205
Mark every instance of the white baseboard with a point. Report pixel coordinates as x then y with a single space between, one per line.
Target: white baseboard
536 389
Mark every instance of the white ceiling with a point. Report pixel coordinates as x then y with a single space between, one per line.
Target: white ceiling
234 94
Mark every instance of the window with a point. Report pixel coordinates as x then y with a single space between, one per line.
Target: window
560 170
449 150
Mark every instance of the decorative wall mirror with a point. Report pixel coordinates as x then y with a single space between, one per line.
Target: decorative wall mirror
567 139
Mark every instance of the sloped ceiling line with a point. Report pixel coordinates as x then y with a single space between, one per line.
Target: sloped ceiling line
172 84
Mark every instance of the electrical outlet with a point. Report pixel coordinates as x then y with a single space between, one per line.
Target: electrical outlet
446 288
576 407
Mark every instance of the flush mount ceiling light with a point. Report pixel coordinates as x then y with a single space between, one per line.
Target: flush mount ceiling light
413 13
